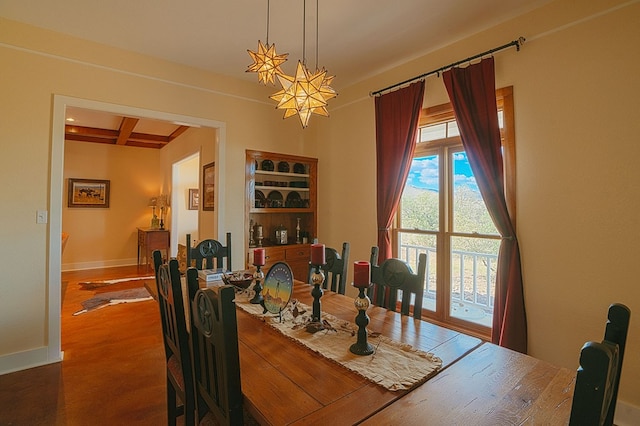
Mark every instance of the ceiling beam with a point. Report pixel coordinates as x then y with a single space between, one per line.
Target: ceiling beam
126 128
180 130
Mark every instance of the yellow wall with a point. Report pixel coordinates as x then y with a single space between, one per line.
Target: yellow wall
39 66
575 88
576 97
108 237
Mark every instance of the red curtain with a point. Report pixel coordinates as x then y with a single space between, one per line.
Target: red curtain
397 115
473 96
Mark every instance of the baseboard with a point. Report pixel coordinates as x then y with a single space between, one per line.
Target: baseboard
627 414
66 267
26 359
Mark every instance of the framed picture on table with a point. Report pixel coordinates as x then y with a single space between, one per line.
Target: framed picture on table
88 193
208 182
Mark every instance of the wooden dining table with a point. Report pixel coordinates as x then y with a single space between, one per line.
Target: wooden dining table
286 383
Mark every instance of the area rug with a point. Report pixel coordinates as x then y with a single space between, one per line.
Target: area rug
92 285
102 300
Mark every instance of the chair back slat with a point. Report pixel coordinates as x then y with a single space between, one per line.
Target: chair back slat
596 389
175 338
395 277
209 254
214 347
335 269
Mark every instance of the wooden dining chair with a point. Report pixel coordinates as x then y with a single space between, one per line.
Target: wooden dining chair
596 389
214 347
180 389
394 276
335 269
210 254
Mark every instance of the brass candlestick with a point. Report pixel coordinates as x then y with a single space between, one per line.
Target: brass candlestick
252 242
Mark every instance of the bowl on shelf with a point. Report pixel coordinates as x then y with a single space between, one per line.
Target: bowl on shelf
241 279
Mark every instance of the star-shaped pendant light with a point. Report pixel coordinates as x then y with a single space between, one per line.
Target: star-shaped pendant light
305 94
302 94
266 62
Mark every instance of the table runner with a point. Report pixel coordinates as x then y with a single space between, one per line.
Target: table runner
394 365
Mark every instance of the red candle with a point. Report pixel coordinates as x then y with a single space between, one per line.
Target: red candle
317 254
361 274
258 257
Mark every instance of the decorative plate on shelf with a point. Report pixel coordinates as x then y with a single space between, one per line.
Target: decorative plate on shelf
283 167
293 200
261 201
267 165
299 168
277 287
275 199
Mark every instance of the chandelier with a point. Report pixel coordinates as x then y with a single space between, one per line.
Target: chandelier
266 62
304 93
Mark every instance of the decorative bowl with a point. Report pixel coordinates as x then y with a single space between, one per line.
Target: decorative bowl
240 279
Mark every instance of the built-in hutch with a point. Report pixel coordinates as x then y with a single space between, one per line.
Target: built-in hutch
281 208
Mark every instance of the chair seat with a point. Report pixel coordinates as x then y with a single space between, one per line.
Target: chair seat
175 370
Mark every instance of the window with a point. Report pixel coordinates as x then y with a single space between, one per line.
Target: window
442 214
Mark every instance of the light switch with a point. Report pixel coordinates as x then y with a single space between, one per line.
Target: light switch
41 216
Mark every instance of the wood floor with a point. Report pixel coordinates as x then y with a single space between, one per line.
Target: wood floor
113 368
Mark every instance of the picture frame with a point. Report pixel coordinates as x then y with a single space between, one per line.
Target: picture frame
194 198
208 188
92 193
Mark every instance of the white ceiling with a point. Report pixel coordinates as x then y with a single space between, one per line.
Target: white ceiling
357 38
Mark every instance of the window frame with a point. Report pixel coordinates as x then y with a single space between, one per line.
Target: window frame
439 114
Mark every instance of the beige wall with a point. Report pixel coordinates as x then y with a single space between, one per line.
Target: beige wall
186 177
576 97
575 87
39 68
108 237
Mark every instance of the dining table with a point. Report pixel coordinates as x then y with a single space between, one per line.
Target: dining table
285 382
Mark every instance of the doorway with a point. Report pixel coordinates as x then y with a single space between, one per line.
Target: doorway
60 104
185 200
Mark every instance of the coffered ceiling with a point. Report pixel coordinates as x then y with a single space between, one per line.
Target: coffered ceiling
101 127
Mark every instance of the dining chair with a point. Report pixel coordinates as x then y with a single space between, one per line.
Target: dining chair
393 276
176 341
335 269
596 389
373 257
210 254
214 348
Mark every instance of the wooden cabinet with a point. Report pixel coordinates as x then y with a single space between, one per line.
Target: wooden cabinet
297 257
281 193
150 239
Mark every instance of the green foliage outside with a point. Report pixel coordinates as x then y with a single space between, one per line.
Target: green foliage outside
420 211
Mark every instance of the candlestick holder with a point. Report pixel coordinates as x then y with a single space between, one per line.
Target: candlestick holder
259 235
317 278
298 240
252 242
362 347
258 275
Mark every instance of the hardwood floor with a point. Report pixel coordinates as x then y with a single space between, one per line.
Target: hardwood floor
113 368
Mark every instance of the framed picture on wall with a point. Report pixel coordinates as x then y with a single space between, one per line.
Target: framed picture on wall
88 193
194 198
208 181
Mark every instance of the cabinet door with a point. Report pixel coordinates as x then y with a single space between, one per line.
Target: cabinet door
298 259
271 256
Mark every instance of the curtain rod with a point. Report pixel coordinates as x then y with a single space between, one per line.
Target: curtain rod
517 43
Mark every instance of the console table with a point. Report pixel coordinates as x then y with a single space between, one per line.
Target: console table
150 239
